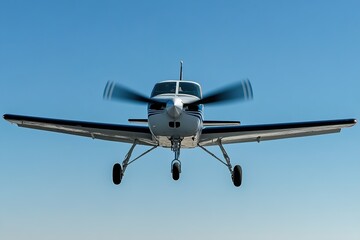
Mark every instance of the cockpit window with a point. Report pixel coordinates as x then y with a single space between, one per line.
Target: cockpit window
164 87
189 88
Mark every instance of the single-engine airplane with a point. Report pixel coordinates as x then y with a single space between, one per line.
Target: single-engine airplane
175 120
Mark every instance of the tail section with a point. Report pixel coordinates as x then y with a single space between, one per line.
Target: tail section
181 71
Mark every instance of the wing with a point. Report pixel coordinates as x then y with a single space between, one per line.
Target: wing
256 133
104 131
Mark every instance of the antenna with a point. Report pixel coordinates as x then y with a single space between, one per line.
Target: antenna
181 71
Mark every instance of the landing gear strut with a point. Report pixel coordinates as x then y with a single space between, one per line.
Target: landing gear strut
236 172
176 164
119 171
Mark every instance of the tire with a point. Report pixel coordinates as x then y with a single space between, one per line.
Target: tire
117 174
176 171
237 176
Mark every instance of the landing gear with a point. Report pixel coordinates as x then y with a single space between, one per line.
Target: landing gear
175 170
236 173
117 174
119 171
237 176
176 164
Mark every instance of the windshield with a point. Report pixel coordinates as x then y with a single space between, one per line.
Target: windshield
164 87
189 88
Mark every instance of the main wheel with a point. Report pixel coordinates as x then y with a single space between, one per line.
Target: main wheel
237 176
176 171
117 173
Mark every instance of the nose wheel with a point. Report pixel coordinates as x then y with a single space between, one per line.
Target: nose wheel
176 169
176 164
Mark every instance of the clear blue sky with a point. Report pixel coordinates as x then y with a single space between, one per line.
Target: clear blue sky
302 58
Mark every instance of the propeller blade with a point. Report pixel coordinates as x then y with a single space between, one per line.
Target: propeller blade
115 91
238 91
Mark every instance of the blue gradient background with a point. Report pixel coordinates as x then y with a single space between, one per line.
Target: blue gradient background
302 58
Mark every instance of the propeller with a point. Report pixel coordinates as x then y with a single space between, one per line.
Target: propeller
114 91
239 91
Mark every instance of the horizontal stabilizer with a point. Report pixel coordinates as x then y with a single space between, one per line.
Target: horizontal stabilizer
221 123
138 120
206 123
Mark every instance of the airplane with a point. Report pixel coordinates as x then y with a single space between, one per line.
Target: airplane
176 120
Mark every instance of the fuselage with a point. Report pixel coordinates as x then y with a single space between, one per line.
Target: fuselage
176 118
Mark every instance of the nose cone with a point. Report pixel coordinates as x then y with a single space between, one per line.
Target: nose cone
174 107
